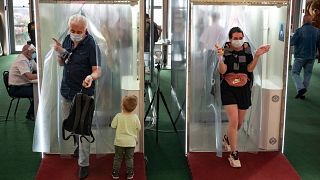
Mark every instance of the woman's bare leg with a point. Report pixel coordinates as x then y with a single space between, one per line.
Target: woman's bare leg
241 115
232 113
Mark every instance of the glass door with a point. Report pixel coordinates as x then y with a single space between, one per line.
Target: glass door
19 17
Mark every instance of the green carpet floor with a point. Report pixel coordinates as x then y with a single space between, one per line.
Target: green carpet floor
302 135
165 159
17 161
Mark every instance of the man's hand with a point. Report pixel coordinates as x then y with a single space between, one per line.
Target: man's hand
58 46
30 76
87 82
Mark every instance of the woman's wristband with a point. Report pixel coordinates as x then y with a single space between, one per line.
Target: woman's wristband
220 58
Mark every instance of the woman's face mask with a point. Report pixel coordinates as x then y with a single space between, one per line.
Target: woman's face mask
237 43
76 37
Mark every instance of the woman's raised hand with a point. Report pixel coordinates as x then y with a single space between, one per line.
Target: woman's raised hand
220 52
263 49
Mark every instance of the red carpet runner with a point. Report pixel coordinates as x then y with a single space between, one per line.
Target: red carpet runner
260 166
55 167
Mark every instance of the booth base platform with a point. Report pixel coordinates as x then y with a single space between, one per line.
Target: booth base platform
55 167
262 166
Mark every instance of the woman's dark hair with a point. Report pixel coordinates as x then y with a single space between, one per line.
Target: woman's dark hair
235 30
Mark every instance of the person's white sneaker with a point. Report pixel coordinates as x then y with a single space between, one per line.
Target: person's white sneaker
234 160
226 143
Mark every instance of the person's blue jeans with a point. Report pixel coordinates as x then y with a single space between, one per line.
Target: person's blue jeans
307 65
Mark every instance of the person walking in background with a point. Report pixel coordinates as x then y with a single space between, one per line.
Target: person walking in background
147 34
236 64
22 71
127 126
32 33
148 45
305 40
77 54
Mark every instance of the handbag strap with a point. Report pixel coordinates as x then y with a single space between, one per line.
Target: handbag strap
78 103
84 112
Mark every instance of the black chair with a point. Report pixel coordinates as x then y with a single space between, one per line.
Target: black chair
6 83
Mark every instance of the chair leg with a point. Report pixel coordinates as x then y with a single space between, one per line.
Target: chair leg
9 109
15 111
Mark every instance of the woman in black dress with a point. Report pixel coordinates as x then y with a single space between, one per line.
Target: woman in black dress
236 64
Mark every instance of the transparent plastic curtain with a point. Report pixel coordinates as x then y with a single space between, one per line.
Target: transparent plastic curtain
178 30
1 51
208 121
116 38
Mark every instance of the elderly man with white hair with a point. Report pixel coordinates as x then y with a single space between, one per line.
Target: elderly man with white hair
78 56
20 75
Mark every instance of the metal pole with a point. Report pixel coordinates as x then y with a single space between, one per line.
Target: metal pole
151 41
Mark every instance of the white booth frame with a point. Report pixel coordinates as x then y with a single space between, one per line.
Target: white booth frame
286 49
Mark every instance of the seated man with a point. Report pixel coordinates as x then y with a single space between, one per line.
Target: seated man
20 75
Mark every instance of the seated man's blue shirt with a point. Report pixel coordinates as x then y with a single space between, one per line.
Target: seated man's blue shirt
78 66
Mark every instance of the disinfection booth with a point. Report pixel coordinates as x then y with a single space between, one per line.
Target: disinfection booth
115 27
263 22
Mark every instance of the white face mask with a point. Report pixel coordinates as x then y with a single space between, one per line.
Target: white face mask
76 37
237 43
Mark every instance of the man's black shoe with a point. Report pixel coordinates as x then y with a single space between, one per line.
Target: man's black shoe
301 92
83 172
